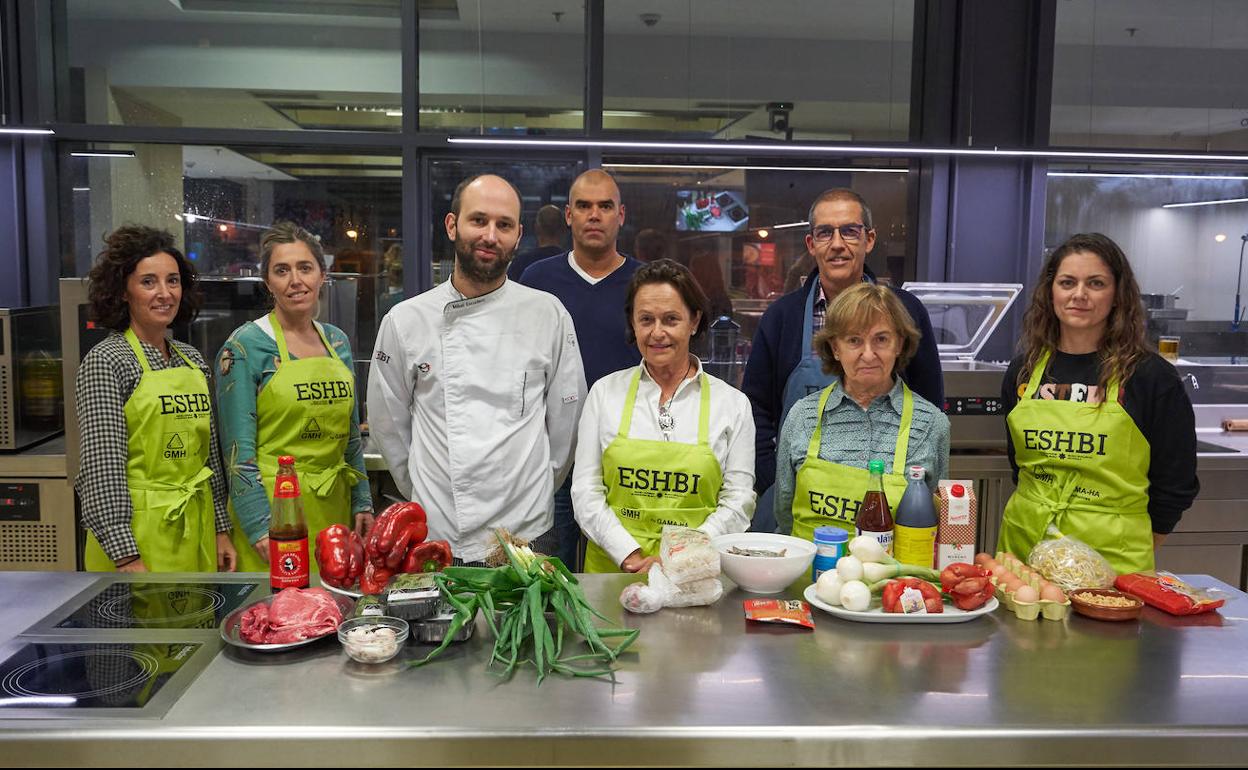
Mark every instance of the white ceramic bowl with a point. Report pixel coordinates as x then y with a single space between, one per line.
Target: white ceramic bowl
765 574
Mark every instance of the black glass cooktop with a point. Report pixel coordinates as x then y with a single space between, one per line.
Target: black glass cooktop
154 605
96 675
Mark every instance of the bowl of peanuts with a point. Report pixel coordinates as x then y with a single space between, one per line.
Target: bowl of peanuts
1105 604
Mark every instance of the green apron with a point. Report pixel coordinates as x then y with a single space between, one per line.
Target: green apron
305 410
828 494
652 483
1084 469
169 426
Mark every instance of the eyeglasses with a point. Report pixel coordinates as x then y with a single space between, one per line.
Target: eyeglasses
849 233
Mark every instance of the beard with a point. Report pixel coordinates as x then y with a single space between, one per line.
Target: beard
477 271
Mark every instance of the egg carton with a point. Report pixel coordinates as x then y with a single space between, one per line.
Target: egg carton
1049 610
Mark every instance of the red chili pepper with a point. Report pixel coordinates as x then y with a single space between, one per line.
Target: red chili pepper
958 571
430 556
971 593
374 578
399 520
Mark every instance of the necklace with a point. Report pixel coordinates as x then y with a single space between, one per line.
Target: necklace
667 422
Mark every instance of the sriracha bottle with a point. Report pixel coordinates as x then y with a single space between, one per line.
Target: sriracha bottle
288 531
873 517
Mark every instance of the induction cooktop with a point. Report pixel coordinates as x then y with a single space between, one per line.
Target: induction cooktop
150 603
63 678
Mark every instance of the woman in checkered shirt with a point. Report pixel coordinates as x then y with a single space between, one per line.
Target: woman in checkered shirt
152 489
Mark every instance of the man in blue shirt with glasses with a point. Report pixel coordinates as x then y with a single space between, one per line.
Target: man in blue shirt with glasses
783 367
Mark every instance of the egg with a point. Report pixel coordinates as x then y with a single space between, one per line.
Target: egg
1011 583
990 565
999 571
1026 593
982 558
1051 593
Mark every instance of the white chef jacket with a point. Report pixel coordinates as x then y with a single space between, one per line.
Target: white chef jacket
474 405
731 436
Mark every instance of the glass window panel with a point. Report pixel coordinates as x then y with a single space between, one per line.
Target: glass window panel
539 182
1189 252
502 67
742 231
218 200
1165 74
278 64
732 69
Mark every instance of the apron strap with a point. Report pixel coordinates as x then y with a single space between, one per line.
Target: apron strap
184 493
323 481
1037 374
280 337
704 417
630 400
902 449
812 450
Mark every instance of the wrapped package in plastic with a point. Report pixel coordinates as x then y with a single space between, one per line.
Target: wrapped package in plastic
687 555
662 592
1071 563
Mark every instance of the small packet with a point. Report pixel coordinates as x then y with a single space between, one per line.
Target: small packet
1169 594
789 611
912 602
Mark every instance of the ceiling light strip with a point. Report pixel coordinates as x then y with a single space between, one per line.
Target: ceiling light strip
1125 175
26 131
1203 203
686 167
836 150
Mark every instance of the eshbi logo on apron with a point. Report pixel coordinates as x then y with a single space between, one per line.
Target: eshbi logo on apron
654 483
169 425
1083 468
828 494
305 410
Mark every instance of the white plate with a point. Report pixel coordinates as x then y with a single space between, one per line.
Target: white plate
230 626
353 593
878 615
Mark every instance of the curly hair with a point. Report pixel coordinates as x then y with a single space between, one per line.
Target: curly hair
125 248
856 310
679 278
1124 345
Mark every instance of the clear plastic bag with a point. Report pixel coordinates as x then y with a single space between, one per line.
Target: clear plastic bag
687 555
1070 563
662 592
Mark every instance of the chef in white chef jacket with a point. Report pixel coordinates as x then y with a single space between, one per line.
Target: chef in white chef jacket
476 386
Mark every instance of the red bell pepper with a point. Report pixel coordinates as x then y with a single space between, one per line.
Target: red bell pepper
891 598
339 555
968 585
397 528
374 578
429 556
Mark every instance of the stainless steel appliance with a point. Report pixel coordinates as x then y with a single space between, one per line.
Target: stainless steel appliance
37 525
31 398
964 316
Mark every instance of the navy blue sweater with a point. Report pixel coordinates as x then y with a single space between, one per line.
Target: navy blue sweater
777 351
597 312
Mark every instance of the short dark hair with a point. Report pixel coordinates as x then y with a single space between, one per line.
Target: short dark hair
458 195
125 248
549 222
288 232
679 278
650 245
841 194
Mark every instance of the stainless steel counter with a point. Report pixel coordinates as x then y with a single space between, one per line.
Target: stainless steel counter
702 687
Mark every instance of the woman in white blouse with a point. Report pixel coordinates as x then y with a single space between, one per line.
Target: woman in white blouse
662 442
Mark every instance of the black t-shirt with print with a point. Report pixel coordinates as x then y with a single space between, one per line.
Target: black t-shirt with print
1156 401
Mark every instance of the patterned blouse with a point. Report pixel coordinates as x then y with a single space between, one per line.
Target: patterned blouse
247 361
107 378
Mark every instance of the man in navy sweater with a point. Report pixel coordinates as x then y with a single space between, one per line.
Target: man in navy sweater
782 368
591 281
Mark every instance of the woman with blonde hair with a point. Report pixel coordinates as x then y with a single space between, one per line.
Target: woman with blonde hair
867 413
1102 437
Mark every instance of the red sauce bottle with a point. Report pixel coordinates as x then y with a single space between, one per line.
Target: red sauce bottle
873 517
288 531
